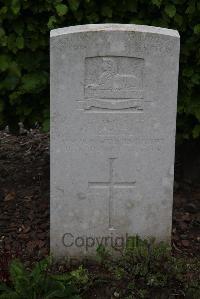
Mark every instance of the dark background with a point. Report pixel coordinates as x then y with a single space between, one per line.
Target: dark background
24 52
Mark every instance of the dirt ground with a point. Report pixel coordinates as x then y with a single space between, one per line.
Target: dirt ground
24 201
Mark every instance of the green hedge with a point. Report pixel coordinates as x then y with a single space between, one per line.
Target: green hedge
24 56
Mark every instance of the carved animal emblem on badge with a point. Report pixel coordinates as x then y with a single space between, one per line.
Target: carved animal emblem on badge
113 83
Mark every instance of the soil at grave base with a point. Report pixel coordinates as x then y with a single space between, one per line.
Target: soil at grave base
24 201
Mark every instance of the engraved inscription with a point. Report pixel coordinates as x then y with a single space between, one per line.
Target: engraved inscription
110 184
114 77
113 83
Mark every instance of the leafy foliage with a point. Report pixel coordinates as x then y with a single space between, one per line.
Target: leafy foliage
40 284
145 269
24 56
148 270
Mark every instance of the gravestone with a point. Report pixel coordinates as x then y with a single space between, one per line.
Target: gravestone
113 120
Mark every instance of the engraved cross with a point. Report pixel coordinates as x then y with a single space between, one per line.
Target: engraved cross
110 184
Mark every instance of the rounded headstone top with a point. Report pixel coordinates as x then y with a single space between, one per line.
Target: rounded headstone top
113 27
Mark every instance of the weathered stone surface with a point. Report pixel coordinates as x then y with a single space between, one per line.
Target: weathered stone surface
113 119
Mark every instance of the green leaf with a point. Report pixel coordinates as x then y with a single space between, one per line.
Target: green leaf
19 27
46 125
51 22
10 295
15 97
20 42
170 10
3 39
93 18
15 6
3 10
61 9
4 62
33 82
30 61
15 69
18 275
10 82
157 2
73 4
11 41
2 32
178 19
191 8
197 29
41 266
4 287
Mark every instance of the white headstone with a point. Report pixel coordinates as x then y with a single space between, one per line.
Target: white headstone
113 120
